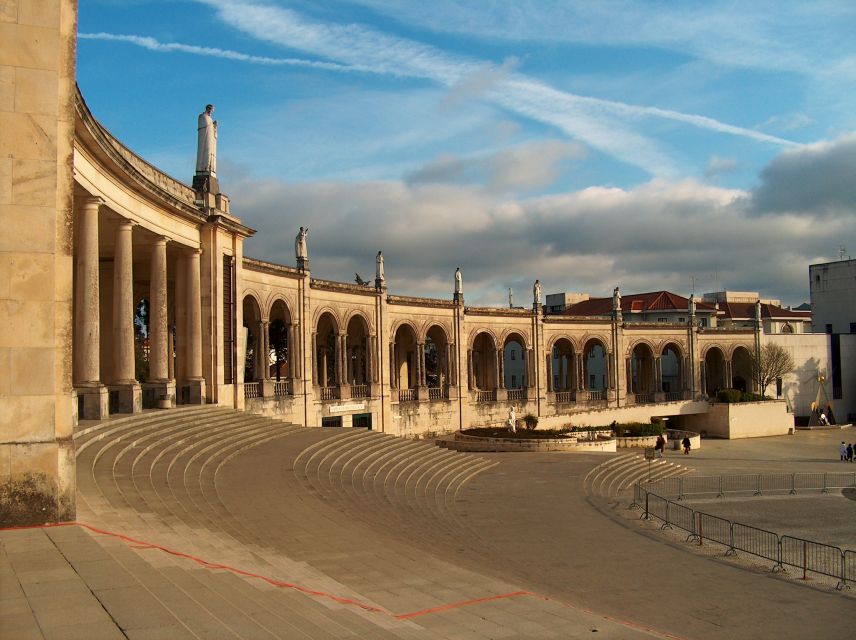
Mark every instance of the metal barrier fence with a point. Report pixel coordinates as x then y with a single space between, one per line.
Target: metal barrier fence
784 551
755 483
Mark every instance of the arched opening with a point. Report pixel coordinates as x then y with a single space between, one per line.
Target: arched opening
437 357
514 362
594 368
483 364
642 372
253 361
327 367
404 363
786 328
562 377
278 341
714 371
141 340
671 372
357 355
741 369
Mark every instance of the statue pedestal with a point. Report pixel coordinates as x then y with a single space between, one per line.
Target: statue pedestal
206 182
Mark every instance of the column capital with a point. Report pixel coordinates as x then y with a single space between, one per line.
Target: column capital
125 222
93 201
195 251
161 240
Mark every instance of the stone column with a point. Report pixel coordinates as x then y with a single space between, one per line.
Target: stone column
500 369
471 380
526 377
582 383
124 373
193 368
87 369
160 382
370 361
420 370
702 370
659 394
393 373
337 359
551 387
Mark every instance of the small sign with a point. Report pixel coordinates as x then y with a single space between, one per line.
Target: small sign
649 453
338 408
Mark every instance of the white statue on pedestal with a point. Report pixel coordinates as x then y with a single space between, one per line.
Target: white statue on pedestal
692 304
301 251
616 299
206 150
459 282
536 292
512 419
379 275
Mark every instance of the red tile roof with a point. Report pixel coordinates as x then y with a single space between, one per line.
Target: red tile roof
636 302
746 311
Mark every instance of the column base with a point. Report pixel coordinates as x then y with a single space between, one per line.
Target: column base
611 396
126 397
93 402
266 388
159 394
193 391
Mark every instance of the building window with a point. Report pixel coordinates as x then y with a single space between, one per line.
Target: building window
513 381
592 381
513 354
829 329
662 319
682 319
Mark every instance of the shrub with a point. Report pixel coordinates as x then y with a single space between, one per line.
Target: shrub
729 396
751 397
530 420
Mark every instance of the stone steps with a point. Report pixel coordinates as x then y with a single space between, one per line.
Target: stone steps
617 475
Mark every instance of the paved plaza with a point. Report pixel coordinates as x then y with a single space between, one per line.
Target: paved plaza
208 523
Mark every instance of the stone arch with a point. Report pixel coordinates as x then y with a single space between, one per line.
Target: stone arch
562 364
741 368
642 380
350 315
482 330
595 363
326 350
483 364
253 359
437 356
280 338
521 336
357 349
405 356
671 367
278 302
713 370
787 328
327 309
514 370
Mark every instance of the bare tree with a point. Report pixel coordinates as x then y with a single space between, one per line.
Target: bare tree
775 362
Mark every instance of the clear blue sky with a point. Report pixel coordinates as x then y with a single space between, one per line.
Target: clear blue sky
588 144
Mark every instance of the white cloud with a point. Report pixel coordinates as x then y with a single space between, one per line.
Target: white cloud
606 125
717 165
787 122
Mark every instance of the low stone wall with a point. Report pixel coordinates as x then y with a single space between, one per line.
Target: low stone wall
629 442
743 420
462 442
635 413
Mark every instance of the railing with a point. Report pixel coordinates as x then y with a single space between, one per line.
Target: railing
517 394
282 388
755 483
674 396
437 393
486 396
359 391
329 393
783 551
596 395
407 395
644 398
252 390
566 397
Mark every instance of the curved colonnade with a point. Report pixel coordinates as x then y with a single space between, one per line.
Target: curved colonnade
168 311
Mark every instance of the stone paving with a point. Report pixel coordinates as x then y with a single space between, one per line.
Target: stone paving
205 523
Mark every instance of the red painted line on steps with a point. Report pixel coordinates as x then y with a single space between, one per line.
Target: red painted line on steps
459 605
143 545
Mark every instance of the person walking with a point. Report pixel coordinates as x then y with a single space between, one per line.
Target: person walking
661 444
842 449
850 449
685 443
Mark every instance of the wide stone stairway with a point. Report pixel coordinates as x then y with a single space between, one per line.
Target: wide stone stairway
210 523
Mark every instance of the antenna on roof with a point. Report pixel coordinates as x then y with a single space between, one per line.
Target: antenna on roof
842 251
692 283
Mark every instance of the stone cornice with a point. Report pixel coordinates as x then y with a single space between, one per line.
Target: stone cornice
261 266
343 287
231 224
499 312
556 319
414 301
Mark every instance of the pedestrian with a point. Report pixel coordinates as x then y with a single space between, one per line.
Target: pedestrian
685 443
661 444
842 449
851 448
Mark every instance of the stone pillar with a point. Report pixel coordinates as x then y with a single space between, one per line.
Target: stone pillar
337 359
527 377
471 380
124 371
628 372
160 382
193 369
581 372
659 394
500 369
420 368
726 383
393 373
87 369
702 367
